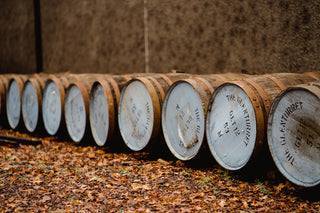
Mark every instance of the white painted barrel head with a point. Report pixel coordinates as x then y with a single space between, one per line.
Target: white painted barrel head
231 126
136 115
51 108
99 114
294 137
13 104
75 113
183 120
30 106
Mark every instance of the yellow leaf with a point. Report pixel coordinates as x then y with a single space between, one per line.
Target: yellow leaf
245 204
233 199
279 187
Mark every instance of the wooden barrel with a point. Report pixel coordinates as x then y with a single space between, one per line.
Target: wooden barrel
140 109
184 110
4 81
32 102
13 100
77 106
53 102
103 109
237 116
293 134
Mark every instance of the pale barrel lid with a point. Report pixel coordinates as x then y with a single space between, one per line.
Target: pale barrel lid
13 104
136 115
30 106
99 114
75 113
183 120
231 126
51 108
294 137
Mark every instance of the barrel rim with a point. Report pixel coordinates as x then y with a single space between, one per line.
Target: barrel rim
62 94
270 141
111 119
20 83
253 99
155 129
85 96
189 81
38 91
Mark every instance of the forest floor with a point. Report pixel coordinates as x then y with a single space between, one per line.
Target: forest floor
57 176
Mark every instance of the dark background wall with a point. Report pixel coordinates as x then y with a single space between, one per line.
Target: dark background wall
17 36
199 36
92 35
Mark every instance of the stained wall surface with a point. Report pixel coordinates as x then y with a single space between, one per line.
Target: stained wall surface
234 36
198 36
92 36
17 37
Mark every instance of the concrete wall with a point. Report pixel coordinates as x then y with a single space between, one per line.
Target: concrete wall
198 36
205 36
93 36
17 37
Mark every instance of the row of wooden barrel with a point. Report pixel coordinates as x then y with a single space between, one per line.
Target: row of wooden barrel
234 116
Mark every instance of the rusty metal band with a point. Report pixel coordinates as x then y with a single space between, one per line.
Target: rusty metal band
64 81
126 77
202 90
38 88
5 81
221 78
41 81
87 85
20 83
258 110
206 84
111 98
115 87
85 94
277 82
159 87
312 75
156 105
166 78
314 88
263 94
315 84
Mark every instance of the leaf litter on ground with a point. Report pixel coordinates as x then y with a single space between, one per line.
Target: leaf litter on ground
57 176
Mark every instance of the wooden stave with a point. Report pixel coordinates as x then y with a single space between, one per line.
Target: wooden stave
4 81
